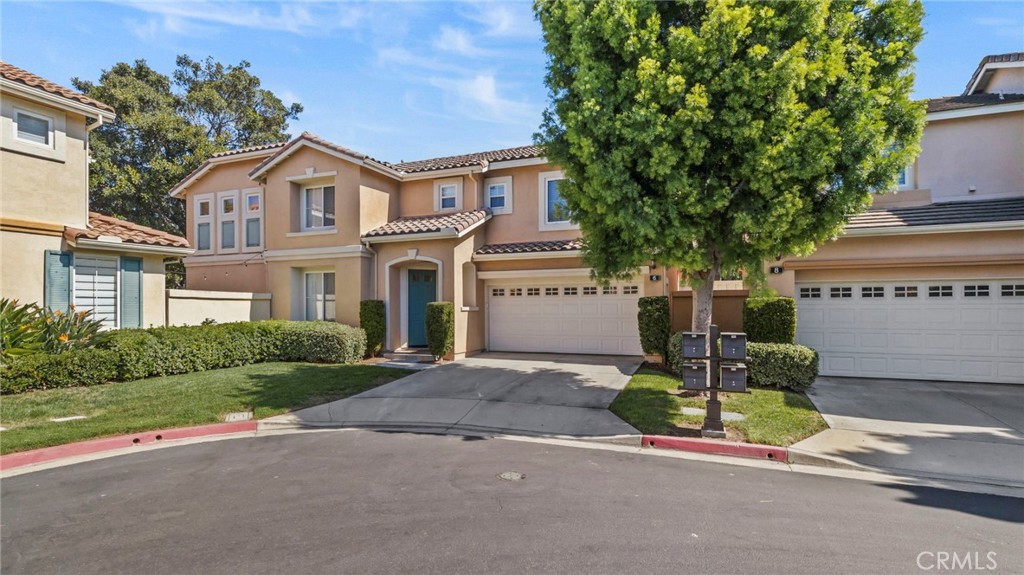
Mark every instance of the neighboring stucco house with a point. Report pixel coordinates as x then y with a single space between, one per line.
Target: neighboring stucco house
322 227
53 250
929 284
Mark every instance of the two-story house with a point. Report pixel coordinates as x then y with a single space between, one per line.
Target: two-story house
322 227
53 250
929 283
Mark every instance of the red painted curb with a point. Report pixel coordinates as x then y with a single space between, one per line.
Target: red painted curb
717 447
120 442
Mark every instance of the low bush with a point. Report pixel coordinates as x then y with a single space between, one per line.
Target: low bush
440 328
321 342
674 357
30 328
655 324
781 365
770 319
73 368
371 319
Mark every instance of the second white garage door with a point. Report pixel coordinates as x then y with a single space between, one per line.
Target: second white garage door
945 330
563 317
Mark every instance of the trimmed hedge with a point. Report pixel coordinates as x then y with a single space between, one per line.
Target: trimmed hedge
770 319
782 365
73 368
655 324
321 342
371 319
440 328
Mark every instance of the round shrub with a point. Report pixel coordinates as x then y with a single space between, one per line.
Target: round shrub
655 324
321 342
770 319
440 328
73 368
371 319
782 365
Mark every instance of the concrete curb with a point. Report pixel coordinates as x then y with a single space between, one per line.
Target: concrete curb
768 452
47 454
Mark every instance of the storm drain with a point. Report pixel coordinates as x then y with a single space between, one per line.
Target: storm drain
512 476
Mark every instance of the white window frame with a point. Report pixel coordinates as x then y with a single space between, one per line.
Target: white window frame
438 185
50 135
305 296
246 215
223 218
908 179
207 219
542 204
303 193
505 181
117 286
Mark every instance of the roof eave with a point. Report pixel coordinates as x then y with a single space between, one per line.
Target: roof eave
130 247
57 101
935 229
975 111
527 256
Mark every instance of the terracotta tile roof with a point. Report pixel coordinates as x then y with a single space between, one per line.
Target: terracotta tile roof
249 149
948 213
458 222
16 74
101 225
532 247
315 139
465 160
972 101
992 59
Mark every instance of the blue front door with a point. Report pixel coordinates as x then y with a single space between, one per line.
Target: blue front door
422 290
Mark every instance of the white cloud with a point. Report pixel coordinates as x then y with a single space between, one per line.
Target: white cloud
296 18
504 19
457 41
479 98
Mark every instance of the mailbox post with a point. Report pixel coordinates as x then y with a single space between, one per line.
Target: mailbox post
720 370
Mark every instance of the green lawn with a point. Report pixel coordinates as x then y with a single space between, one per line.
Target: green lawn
652 403
266 389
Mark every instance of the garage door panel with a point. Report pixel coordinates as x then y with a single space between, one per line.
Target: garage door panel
963 336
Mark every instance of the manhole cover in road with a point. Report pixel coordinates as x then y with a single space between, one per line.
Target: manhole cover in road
512 476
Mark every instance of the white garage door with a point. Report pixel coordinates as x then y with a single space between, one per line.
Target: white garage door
96 287
942 330
571 316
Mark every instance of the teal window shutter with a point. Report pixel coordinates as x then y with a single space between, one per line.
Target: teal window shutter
131 292
57 280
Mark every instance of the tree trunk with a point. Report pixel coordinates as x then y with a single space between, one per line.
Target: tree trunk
703 294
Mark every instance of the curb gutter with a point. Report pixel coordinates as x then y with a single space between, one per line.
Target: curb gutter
23 458
768 452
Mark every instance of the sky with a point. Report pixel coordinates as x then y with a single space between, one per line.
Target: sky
398 81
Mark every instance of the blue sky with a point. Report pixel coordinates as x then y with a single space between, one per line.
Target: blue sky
398 81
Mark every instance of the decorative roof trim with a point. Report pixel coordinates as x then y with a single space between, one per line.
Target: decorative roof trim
443 234
527 256
935 229
32 93
427 175
130 247
976 111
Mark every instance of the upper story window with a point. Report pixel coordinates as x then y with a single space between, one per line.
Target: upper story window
228 215
203 216
498 192
318 208
33 128
554 212
448 194
905 181
253 226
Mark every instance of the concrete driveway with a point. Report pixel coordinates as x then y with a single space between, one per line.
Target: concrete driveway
966 431
524 394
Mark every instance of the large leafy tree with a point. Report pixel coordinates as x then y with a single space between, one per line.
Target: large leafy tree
166 128
712 136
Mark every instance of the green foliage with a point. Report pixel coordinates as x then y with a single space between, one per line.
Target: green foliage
371 319
674 359
655 324
164 130
76 367
440 328
720 134
29 328
782 365
770 319
321 342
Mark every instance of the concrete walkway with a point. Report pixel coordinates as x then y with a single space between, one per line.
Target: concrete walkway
965 431
504 393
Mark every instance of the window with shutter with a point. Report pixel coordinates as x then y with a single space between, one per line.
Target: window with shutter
131 292
57 280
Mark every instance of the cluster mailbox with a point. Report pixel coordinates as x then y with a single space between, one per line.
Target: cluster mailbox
695 376
734 378
695 345
714 368
734 346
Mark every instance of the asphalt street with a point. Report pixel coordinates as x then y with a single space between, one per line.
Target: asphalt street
371 502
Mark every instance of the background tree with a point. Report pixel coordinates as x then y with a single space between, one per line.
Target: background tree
166 129
716 135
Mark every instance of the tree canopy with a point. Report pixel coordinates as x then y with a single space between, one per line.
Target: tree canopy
165 128
716 135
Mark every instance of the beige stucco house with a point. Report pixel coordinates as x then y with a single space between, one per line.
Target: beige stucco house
53 250
929 284
322 227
